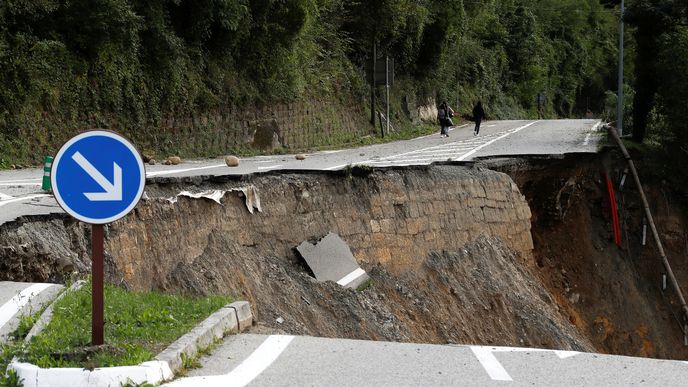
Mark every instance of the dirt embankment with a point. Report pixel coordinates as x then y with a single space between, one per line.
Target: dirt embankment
448 248
481 293
611 294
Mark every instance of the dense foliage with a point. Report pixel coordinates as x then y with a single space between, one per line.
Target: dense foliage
661 81
144 60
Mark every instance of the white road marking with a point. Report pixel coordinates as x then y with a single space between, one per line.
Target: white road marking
269 167
494 368
21 180
21 199
437 152
169 172
5 197
405 161
595 128
351 277
444 151
16 303
495 140
450 129
397 156
490 363
441 152
5 184
566 354
245 372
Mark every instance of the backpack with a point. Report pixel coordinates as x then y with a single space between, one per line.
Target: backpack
441 114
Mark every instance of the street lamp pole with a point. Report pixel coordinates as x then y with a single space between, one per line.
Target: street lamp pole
620 98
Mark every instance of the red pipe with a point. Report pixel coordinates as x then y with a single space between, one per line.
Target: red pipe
615 211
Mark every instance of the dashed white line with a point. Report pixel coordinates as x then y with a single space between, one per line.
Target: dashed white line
245 372
16 303
159 173
450 129
495 140
494 368
491 365
442 148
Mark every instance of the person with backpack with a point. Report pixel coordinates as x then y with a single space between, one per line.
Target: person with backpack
444 115
478 115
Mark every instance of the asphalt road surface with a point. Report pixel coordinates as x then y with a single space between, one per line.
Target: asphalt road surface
20 192
278 360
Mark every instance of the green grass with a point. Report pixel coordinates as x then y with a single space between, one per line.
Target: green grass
138 326
7 352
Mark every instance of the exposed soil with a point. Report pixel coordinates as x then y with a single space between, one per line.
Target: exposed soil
481 294
579 292
612 294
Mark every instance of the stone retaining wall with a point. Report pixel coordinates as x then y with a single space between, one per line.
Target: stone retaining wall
297 125
391 217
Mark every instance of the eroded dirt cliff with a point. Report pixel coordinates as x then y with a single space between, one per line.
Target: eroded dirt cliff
611 294
449 249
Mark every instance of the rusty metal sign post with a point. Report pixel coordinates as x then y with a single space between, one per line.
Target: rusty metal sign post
98 286
98 177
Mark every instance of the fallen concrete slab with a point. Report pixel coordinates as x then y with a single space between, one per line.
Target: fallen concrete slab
331 259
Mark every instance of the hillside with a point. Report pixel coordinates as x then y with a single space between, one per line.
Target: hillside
202 78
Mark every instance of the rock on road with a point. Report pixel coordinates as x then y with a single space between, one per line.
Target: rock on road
20 192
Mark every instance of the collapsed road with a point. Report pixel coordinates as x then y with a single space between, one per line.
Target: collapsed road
509 250
20 192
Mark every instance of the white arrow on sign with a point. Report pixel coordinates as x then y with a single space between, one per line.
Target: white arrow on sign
113 191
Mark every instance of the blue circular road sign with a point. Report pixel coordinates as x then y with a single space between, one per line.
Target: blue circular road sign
98 177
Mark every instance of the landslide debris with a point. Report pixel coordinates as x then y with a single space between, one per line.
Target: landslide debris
471 278
481 294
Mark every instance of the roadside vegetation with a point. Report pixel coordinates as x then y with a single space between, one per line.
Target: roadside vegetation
138 327
133 64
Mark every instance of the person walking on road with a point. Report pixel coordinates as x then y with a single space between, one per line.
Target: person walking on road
478 115
444 115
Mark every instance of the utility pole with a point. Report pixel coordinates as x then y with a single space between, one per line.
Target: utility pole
620 96
372 84
387 86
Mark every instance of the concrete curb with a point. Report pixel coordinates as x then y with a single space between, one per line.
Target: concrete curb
48 312
231 318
